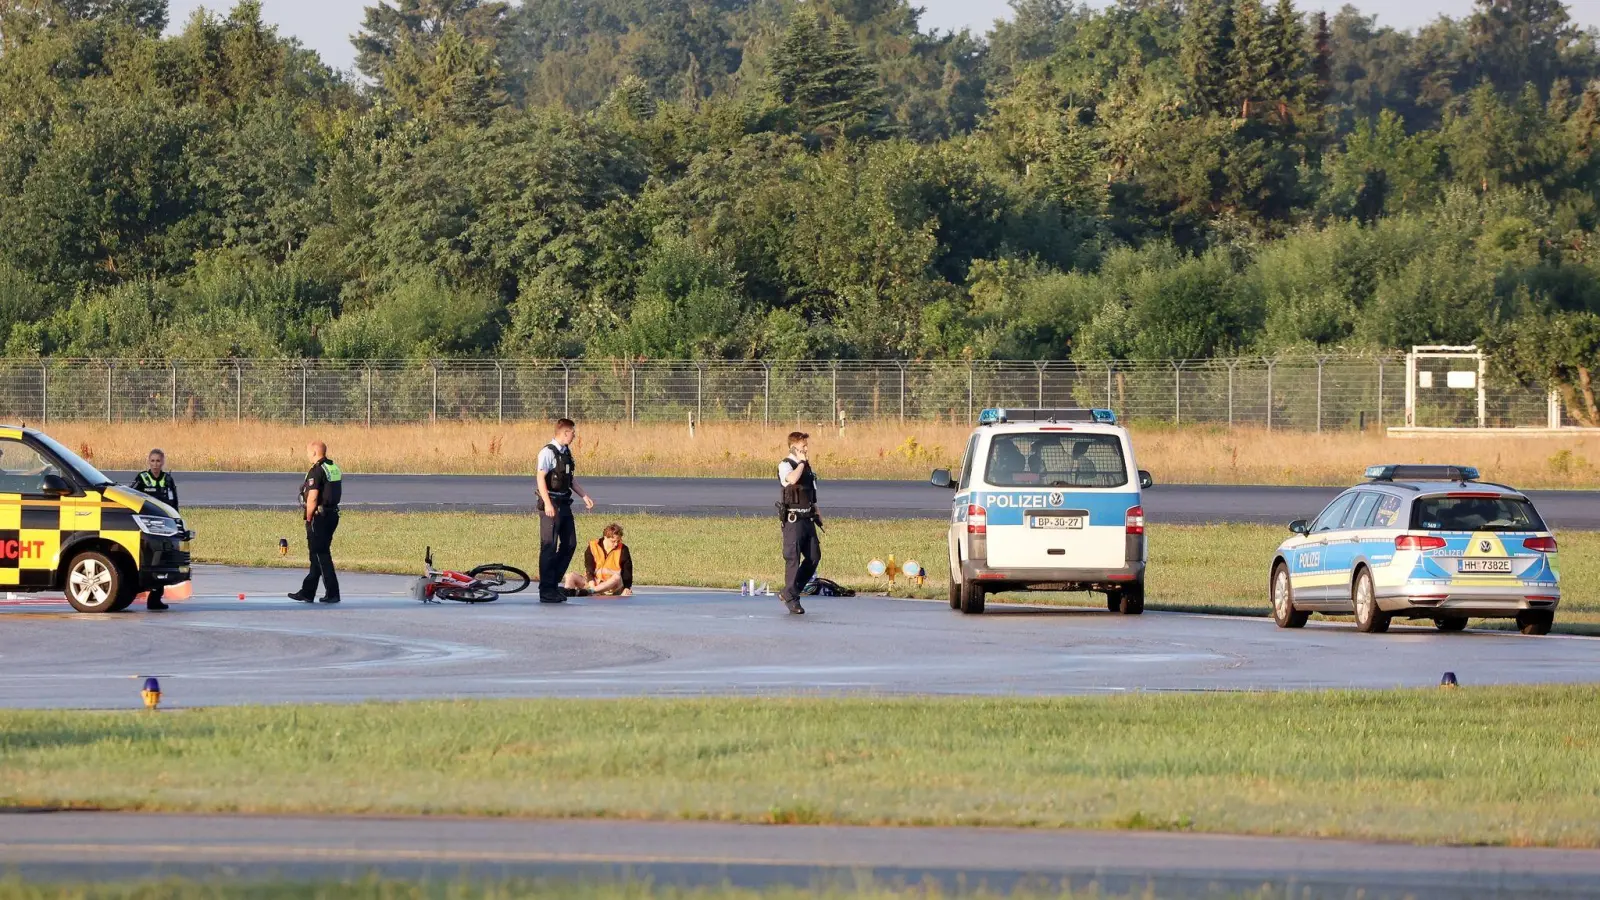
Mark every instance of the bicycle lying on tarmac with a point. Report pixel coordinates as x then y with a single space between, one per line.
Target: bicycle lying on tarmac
481 585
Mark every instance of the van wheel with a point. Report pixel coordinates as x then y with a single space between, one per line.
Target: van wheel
1130 600
1535 621
972 598
1369 618
95 584
1283 611
955 594
1113 601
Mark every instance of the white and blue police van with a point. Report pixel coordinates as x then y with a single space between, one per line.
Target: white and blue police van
1047 500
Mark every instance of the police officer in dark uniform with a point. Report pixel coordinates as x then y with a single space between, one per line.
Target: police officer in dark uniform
320 492
797 510
558 534
158 483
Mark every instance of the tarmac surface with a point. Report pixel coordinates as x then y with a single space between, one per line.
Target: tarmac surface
215 649
80 846
218 649
1180 504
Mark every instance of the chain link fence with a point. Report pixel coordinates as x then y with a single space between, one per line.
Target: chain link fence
1299 393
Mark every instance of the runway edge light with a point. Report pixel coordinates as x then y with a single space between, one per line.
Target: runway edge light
1448 681
151 693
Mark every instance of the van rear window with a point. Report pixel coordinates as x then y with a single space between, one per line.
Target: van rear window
1056 460
1487 513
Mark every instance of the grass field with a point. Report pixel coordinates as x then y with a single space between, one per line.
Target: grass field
1210 568
376 889
1197 454
1492 765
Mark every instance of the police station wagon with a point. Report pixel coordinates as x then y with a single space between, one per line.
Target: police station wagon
1420 542
1047 499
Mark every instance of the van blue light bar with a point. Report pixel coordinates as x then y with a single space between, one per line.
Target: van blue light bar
1421 473
998 416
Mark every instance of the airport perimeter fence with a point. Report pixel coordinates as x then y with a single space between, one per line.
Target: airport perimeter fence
1300 393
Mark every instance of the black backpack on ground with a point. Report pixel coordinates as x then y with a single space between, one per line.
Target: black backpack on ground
827 587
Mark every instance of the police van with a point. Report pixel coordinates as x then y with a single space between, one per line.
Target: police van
1047 499
65 526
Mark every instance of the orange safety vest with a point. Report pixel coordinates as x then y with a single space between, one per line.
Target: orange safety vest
605 564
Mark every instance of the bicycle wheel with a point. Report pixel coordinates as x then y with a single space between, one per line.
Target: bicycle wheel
500 578
465 594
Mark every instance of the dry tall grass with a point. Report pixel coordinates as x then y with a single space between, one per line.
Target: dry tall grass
892 451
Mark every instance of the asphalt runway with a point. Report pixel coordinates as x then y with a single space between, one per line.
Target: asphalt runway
1179 504
215 649
81 846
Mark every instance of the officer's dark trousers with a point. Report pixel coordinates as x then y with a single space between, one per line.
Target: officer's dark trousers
558 540
802 552
319 540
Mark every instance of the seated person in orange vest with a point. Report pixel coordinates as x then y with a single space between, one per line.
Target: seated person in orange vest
607 567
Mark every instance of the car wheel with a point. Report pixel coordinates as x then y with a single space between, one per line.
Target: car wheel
1283 611
1535 621
1131 599
1453 623
1369 618
95 584
955 594
972 598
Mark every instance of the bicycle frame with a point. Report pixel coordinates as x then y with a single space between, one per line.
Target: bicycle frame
436 578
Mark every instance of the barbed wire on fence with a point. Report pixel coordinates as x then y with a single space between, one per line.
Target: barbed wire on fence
1300 393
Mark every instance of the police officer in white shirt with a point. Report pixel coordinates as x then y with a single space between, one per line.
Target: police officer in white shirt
558 535
797 511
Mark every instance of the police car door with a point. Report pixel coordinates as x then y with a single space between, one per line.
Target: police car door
1060 499
1343 545
1309 571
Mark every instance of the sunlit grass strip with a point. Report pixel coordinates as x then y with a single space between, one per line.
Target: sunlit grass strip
1189 454
1499 766
1212 568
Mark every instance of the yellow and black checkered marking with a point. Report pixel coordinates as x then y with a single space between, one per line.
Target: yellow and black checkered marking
34 532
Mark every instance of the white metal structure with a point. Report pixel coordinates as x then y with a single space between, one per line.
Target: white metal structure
1464 368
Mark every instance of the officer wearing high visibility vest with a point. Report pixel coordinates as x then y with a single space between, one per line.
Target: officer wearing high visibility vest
558 535
797 511
321 492
158 483
607 567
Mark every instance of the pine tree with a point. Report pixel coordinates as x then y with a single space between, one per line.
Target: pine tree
820 73
1204 49
1288 82
1249 60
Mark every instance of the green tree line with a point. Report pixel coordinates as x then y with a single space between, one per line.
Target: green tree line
743 178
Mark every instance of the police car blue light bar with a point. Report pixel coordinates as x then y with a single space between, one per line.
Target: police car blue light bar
1000 416
1421 473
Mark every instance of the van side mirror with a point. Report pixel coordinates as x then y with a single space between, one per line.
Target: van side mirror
53 485
1300 526
941 479
1145 481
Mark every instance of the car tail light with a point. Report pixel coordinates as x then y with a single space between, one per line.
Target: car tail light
1541 544
977 519
1419 542
1136 520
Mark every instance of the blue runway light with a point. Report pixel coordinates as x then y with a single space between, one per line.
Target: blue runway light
151 693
